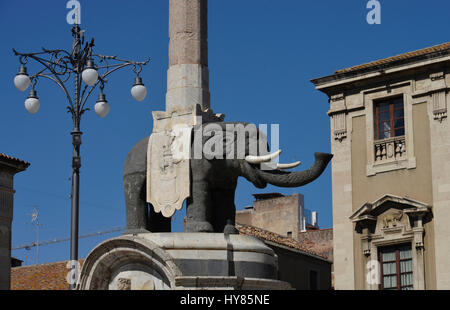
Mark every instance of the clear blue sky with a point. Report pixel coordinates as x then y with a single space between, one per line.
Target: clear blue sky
262 54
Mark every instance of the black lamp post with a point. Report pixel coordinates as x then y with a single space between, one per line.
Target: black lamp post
59 66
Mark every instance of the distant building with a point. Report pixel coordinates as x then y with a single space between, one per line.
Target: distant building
284 215
320 240
9 166
391 171
299 263
304 251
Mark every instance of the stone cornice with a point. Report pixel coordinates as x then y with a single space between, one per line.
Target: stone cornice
429 92
399 65
337 81
345 110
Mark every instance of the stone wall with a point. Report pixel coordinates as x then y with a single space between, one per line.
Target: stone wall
321 241
296 268
280 215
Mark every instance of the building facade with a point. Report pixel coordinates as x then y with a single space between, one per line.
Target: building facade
391 171
9 166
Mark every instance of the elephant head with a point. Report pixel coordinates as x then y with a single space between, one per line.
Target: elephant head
253 159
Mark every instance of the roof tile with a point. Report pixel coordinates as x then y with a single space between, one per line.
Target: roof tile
50 276
307 246
19 161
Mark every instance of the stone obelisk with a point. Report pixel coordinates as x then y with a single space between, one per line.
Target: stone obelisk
188 75
187 105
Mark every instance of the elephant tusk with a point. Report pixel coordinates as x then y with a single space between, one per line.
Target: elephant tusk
262 159
289 166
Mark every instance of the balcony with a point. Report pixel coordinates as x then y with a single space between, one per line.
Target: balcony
391 149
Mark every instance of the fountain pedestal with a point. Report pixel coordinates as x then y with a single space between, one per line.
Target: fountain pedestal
171 261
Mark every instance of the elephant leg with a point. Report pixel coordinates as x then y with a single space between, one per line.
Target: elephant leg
157 222
198 211
224 211
134 184
136 206
141 218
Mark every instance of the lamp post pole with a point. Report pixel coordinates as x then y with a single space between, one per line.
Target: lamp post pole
76 159
59 66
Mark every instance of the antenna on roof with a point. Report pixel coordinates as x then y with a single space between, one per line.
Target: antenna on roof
35 221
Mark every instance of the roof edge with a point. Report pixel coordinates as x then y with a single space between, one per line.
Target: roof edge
382 65
299 248
13 162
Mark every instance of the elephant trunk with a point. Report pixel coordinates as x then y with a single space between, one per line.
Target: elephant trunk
295 179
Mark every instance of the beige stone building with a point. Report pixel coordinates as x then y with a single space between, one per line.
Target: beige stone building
391 171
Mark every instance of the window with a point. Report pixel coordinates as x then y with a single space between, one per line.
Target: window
389 118
396 267
389 130
313 280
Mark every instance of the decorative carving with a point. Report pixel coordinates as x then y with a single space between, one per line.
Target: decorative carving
392 218
168 183
439 105
390 149
393 228
337 97
365 240
124 284
437 76
419 245
340 126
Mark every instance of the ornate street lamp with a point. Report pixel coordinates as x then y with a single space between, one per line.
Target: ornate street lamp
60 66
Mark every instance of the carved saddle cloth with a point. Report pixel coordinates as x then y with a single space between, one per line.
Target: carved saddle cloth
168 182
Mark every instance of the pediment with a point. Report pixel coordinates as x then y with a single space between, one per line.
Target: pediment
371 210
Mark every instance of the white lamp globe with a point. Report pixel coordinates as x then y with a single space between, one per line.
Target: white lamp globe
32 103
22 80
89 76
102 106
138 91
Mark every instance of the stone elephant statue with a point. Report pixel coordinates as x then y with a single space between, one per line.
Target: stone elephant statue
213 179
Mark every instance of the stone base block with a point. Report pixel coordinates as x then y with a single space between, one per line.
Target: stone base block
181 261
